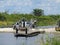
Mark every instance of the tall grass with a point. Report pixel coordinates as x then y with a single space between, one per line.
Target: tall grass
53 41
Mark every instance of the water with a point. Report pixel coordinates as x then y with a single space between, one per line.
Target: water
9 39
47 26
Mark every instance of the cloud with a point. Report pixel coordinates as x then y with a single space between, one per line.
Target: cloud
57 1
19 2
28 5
14 4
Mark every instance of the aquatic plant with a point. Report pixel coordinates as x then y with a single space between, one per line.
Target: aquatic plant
53 41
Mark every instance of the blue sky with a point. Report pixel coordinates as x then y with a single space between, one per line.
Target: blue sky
27 6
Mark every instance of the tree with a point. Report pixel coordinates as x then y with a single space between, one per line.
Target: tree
38 12
2 17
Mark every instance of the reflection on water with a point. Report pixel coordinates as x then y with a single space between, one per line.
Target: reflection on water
9 39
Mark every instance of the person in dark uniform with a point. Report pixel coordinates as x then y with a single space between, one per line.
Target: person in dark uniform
23 20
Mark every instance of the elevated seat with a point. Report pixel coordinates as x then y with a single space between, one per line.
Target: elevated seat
22 28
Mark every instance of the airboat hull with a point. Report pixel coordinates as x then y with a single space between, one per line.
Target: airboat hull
28 35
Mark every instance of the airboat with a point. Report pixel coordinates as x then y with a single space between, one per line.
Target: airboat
26 28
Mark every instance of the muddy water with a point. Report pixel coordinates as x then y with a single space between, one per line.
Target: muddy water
9 39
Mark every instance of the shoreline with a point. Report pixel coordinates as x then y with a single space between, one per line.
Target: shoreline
10 30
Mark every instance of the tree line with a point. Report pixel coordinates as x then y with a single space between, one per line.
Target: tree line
42 20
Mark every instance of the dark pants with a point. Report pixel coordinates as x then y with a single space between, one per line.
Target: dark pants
33 26
26 31
16 30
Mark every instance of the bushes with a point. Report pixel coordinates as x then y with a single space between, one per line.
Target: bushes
2 17
41 20
45 20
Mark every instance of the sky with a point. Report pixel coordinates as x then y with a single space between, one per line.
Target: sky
27 6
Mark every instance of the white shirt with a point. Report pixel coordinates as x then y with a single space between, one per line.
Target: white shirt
17 26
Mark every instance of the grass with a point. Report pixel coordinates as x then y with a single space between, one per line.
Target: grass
53 41
6 23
